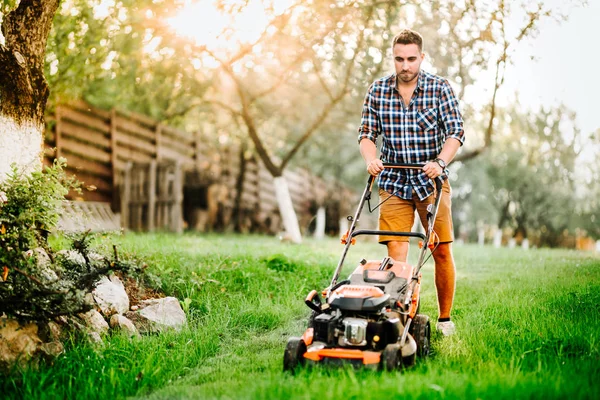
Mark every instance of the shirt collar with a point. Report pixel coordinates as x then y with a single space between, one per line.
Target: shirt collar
420 81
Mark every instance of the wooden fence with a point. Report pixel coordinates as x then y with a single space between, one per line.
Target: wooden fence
98 144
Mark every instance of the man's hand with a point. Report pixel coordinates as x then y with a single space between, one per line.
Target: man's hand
432 169
375 167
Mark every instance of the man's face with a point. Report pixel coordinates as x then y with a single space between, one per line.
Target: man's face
407 61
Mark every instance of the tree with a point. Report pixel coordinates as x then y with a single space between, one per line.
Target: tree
532 171
23 88
284 86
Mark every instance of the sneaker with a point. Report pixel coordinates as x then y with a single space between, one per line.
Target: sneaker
446 328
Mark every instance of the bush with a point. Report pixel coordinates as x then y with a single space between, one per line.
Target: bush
35 283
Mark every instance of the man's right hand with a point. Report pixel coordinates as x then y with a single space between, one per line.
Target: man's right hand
374 167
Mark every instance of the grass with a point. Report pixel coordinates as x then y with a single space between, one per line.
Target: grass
528 324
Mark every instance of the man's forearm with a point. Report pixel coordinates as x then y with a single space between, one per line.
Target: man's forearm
448 151
368 150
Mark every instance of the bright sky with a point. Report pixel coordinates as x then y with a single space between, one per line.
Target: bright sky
565 68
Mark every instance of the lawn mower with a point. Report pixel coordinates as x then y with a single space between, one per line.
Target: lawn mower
372 318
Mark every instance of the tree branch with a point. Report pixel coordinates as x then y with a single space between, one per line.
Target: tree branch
333 101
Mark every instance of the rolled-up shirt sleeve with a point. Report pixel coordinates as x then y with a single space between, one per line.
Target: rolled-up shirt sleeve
452 121
369 122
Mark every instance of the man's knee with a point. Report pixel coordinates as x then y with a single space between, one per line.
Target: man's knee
398 250
443 254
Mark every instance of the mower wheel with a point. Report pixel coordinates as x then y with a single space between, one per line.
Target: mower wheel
294 354
420 329
391 358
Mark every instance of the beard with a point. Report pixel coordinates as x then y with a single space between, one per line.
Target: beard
407 76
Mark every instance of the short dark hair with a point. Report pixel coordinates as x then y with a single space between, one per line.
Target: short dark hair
408 36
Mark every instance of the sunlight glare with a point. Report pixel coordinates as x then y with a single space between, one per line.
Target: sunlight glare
202 22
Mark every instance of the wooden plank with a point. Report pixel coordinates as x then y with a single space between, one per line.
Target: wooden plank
85 150
134 143
128 126
127 154
79 163
84 134
178 135
169 154
89 180
142 119
178 146
91 121
83 106
97 195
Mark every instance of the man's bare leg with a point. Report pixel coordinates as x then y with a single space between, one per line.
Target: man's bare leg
398 250
445 272
445 278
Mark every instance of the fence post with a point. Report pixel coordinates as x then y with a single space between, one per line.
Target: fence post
152 196
113 149
177 198
125 195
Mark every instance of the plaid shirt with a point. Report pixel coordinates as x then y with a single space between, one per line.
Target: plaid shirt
413 134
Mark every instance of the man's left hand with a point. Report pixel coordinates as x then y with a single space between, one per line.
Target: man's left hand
432 169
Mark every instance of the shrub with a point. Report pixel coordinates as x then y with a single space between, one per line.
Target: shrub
35 283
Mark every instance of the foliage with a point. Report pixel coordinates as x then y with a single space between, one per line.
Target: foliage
36 283
30 208
527 321
125 54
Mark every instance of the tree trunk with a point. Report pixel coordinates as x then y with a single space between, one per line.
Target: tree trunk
320 223
23 88
286 209
20 143
239 189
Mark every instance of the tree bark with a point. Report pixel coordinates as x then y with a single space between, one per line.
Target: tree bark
286 208
23 88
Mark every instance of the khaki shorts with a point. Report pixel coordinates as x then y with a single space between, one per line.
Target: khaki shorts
398 215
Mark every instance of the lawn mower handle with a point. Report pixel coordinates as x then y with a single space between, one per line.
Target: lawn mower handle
367 195
437 181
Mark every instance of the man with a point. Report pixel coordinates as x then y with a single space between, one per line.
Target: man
417 116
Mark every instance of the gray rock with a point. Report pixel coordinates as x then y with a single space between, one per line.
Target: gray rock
52 350
122 324
156 315
94 322
110 296
94 337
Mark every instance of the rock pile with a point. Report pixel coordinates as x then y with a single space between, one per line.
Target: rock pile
112 312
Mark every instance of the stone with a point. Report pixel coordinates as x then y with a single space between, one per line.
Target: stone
110 296
94 322
19 343
51 350
157 315
50 331
122 324
94 337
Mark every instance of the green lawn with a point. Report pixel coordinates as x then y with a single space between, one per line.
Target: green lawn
528 327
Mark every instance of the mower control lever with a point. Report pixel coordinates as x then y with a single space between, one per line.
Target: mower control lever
313 301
